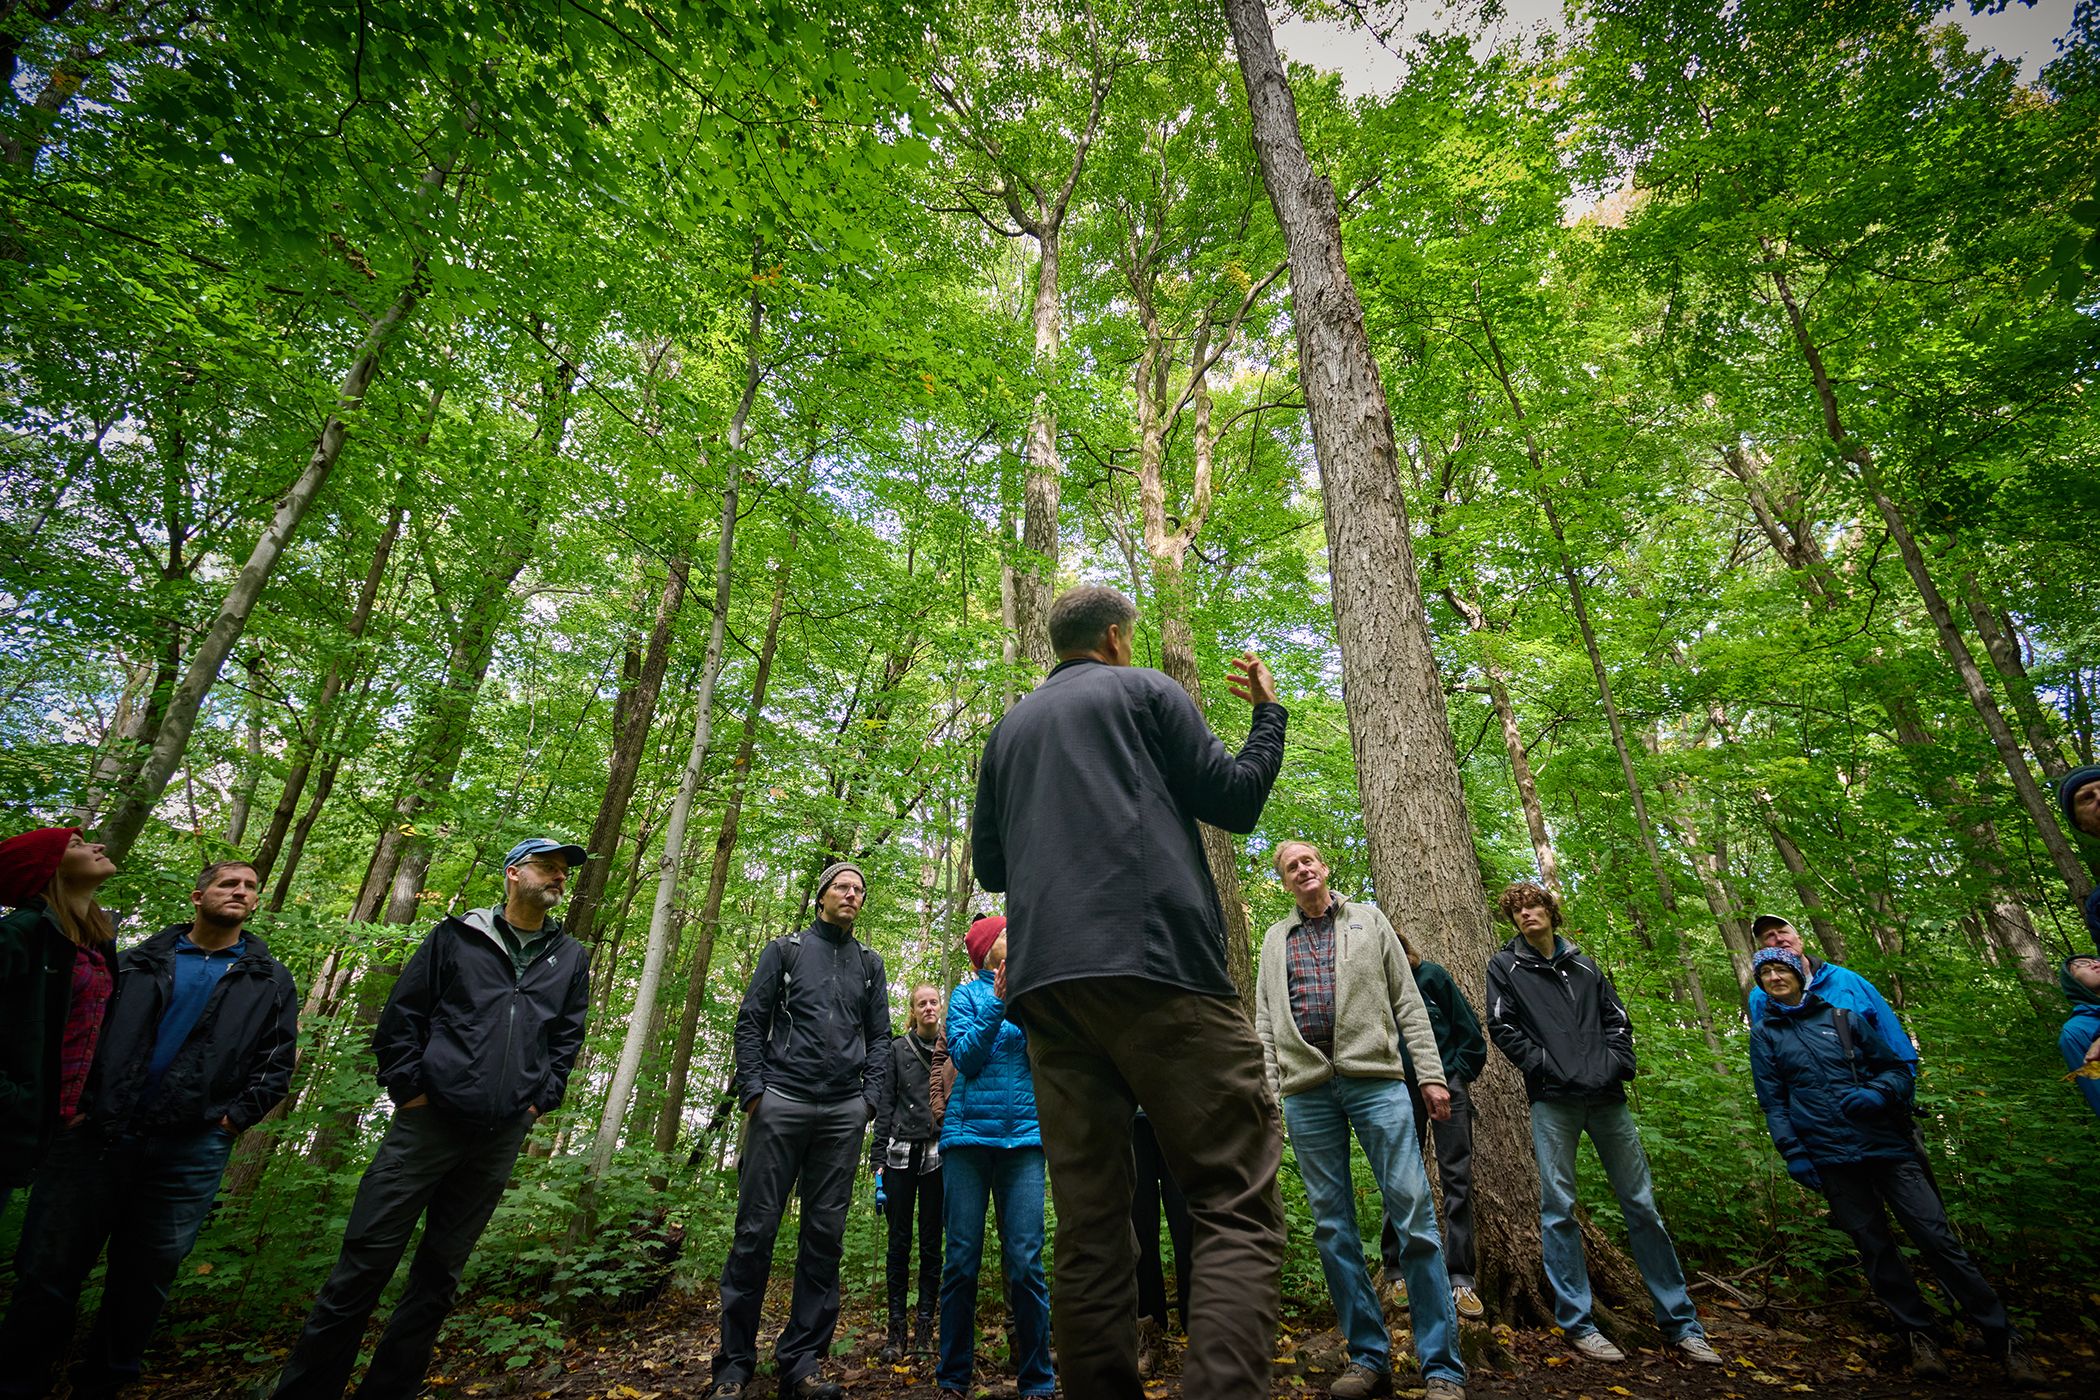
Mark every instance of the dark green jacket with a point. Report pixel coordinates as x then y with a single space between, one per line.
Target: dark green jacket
36 989
1458 1035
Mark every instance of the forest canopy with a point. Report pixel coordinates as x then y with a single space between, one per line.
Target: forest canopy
664 428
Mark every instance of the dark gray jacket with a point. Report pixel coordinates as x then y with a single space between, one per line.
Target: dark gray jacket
815 1022
1087 804
905 1110
484 1039
236 1062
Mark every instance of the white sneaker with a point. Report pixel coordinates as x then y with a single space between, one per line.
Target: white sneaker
1597 1347
1468 1303
1696 1348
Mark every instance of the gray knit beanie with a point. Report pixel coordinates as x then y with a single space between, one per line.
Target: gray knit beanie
833 871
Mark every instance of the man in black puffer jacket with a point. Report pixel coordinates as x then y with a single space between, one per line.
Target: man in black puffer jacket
475 1045
197 1044
1559 1020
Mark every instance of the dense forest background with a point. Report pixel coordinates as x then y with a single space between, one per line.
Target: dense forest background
664 426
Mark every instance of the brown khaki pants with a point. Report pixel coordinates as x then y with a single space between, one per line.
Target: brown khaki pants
1099 1047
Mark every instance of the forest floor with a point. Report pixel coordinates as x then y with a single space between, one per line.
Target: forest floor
661 1353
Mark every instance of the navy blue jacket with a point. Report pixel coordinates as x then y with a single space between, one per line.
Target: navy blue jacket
1802 1074
993 1101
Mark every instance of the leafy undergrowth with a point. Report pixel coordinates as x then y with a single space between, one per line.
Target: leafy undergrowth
662 1353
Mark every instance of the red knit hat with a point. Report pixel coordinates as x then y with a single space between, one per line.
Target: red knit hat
983 934
28 861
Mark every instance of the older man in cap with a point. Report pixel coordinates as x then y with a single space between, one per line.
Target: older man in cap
812 1040
1833 983
474 1047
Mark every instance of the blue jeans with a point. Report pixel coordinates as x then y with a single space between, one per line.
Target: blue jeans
1556 1130
1010 1179
1378 1109
146 1198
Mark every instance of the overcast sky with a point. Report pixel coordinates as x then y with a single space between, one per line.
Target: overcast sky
2028 33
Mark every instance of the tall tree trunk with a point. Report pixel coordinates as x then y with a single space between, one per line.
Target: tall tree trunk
672 1112
671 862
1035 573
1827 935
1421 842
128 817
2037 804
244 791
633 713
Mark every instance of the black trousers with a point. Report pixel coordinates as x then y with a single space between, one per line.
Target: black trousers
817 1145
905 1188
427 1163
1454 1171
1156 1191
1861 1195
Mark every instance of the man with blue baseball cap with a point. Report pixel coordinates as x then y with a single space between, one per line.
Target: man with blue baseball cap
475 1045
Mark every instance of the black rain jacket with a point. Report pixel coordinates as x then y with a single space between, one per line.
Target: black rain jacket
905 1109
815 1022
1561 1022
1087 804
36 992
235 1064
485 1041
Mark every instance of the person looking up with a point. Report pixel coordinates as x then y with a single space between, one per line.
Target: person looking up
197 1046
993 1149
2079 797
1087 802
1559 1020
56 973
1335 999
905 1156
1835 984
811 1034
474 1047
1836 1099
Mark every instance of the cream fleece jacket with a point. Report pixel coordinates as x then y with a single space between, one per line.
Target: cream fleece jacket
1376 1002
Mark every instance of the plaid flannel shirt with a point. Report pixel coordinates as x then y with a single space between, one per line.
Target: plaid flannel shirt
1308 954
92 984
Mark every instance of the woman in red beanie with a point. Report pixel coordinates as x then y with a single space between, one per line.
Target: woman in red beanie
55 978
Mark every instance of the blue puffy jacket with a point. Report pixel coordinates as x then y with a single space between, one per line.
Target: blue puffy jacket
1841 986
993 1101
1802 1075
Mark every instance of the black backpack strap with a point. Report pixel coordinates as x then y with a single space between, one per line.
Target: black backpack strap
790 945
1842 1023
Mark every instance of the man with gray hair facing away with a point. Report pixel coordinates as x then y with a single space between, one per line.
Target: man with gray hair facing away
1087 804
812 1042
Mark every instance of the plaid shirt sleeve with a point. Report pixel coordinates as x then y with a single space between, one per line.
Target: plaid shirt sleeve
1308 954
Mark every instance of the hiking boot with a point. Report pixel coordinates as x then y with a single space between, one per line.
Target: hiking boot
1358 1381
893 1345
725 1390
2020 1368
1392 1291
1697 1348
1441 1389
1595 1346
1151 1347
922 1330
1926 1363
814 1387
1468 1303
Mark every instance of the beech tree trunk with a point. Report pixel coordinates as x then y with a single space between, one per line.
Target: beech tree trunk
672 1112
1421 841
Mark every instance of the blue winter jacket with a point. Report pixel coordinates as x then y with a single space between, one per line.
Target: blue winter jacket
1802 1075
1841 986
993 1101
2080 1031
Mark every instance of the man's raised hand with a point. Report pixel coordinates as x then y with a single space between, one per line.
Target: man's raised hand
1251 680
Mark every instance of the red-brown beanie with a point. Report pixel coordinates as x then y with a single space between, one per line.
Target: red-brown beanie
28 861
983 934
